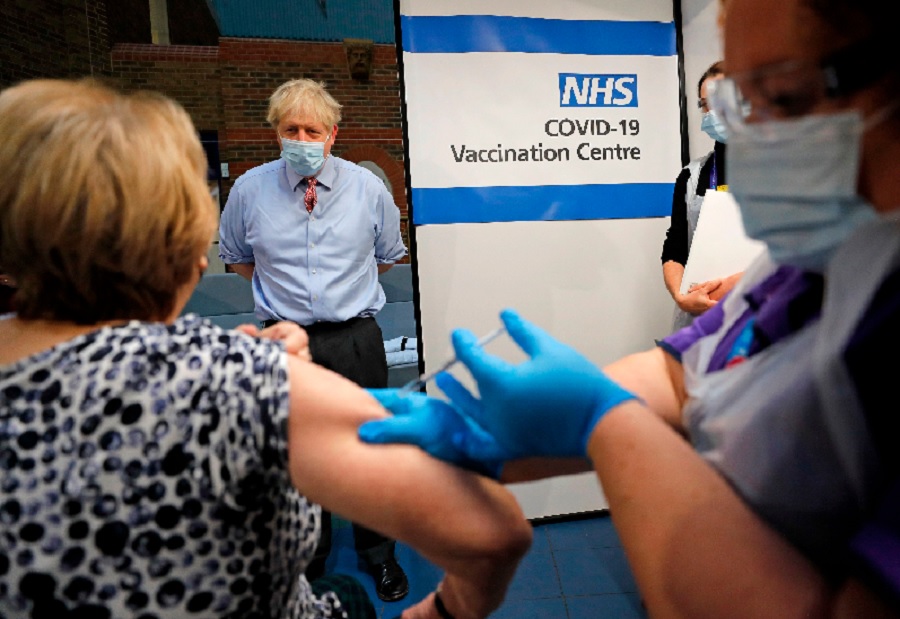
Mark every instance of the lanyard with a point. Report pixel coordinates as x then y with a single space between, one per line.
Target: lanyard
740 349
713 174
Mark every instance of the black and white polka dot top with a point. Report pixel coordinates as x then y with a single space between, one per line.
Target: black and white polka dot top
144 474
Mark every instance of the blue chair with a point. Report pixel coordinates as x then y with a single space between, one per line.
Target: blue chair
226 299
398 319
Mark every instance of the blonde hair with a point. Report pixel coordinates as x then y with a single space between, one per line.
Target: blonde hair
305 97
104 207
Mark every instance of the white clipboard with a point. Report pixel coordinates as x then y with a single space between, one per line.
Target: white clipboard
720 246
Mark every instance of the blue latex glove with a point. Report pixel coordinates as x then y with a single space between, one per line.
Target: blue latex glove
435 426
545 406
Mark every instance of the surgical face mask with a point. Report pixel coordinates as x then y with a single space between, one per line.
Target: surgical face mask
713 126
795 182
305 158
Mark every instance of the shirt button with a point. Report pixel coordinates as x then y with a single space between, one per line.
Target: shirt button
315 297
312 245
314 271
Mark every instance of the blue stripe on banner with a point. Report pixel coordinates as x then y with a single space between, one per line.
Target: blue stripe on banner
543 203
458 34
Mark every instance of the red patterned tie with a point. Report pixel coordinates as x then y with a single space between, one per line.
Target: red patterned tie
310 198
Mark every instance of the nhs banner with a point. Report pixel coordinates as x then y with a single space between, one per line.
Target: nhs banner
597 90
564 110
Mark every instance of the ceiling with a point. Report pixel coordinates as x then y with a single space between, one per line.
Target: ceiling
306 20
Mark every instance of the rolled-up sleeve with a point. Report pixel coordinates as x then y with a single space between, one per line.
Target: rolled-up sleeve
233 247
389 245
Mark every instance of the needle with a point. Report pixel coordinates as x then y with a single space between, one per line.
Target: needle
418 383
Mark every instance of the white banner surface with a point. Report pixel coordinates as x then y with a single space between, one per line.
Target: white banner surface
540 111
543 147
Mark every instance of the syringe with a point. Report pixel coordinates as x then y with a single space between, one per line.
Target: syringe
418 383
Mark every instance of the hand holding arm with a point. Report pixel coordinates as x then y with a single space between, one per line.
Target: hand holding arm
437 427
727 284
292 336
468 525
716 289
696 300
708 287
545 406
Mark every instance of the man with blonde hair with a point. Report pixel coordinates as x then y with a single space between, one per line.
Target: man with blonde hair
311 232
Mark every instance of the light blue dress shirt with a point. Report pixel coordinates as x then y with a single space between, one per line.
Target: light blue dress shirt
319 266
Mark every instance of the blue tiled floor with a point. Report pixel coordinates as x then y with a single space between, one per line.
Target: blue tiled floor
576 569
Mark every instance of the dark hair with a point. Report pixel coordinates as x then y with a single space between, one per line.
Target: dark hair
853 14
864 21
713 70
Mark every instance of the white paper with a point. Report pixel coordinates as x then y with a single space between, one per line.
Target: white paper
720 247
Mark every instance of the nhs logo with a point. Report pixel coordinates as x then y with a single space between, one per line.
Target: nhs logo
597 90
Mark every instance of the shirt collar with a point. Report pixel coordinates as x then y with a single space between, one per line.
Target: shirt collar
325 177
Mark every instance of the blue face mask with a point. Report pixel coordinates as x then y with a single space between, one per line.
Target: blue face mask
713 126
795 182
305 158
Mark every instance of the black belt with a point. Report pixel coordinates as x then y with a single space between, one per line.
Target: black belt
323 327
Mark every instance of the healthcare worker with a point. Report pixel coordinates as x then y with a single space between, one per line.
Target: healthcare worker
703 174
750 461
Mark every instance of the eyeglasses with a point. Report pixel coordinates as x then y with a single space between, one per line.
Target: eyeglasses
702 103
794 88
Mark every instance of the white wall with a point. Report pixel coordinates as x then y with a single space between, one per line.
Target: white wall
596 285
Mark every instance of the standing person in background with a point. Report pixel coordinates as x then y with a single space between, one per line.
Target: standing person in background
152 463
312 231
706 173
750 460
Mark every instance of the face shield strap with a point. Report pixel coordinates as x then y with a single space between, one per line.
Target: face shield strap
856 66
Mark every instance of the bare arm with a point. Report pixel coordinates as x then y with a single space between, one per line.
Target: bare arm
655 377
384 268
673 273
466 524
244 270
695 548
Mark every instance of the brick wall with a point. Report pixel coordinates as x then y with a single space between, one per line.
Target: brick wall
54 38
224 88
253 68
371 128
187 73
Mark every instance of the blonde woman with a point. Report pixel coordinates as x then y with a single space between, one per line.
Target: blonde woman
159 466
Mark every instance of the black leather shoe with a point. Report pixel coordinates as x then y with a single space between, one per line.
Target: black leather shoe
390 581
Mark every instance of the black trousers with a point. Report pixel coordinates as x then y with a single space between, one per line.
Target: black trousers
355 350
